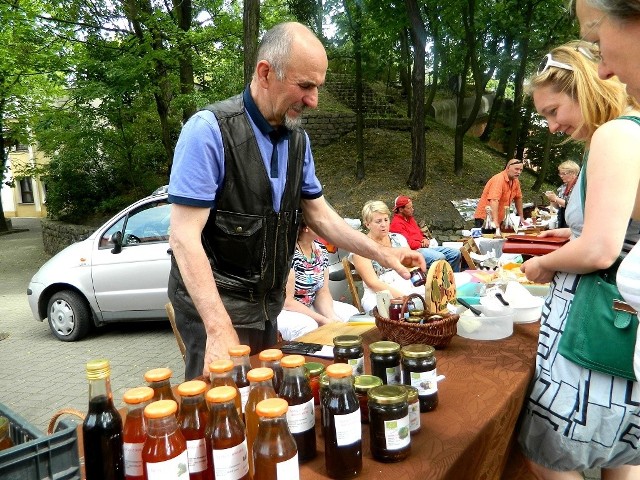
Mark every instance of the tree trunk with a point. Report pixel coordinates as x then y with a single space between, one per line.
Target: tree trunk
524 129
183 12
544 165
405 73
4 227
251 22
357 46
496 106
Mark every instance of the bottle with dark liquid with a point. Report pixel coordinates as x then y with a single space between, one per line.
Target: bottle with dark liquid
270 358
488 227
261 380
192 421
301 417
341 424
160 380
275 454
220 374
507 225
241 366
134 432
164 454
102 427
225 436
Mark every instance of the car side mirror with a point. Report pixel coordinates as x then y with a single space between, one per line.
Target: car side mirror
116 239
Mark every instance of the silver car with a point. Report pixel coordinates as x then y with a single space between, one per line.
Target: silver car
119 273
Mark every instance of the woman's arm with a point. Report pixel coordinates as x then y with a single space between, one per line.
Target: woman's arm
293 305
323 303
364 267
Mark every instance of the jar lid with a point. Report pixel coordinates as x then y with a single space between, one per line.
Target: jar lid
388 394
397 301
137 395
158 374
259 374
384 346
270 355
221 366
224 393
324 379
347 341
239 350
98 369
292 361
412 393
314 368
160 409
339 370
418 350
364 383
272 407
192 388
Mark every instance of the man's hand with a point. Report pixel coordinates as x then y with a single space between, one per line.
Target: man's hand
218 343
401 258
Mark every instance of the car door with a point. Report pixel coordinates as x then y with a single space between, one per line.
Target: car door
132 283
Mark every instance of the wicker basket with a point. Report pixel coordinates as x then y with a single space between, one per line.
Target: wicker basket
437 333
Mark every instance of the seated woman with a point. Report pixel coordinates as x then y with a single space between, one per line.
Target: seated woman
376 278
308 302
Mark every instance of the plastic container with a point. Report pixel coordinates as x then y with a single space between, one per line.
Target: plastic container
37 456
470 292
488 327
526 310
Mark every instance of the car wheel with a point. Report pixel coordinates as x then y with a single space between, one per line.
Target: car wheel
69 316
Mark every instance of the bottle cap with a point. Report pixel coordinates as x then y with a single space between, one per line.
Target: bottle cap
339 370
221 394
160 409
192 388
259 374
418 350
292 361
347 340
239 350
364 383
384 347
412 393
137 395
272 407
314 368
221 366
388 394
270 355
158 374
98 369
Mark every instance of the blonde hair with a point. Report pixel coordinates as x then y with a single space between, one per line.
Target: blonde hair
599 100
569 166
371 207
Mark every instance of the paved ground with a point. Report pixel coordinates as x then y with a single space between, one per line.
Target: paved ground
39 374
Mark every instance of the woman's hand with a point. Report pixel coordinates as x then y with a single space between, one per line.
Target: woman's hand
535 272
556 232
551 196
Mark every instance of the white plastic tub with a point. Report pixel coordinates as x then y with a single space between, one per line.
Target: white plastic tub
492 327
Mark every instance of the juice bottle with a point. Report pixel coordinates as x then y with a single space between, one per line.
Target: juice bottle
5 438
220 374
275 454
301 417
270 358
159 380
134 432
261 380
102 427
342 429
226 437
192 421
241 366
164 454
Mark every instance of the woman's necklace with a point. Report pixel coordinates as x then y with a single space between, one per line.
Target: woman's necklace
308 257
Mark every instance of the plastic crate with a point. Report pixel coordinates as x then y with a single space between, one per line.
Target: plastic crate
36 456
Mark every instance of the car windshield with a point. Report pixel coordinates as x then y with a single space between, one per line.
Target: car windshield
147 224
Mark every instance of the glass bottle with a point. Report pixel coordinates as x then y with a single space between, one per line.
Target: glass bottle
164 454
225 436
261 380
314 370
160 380
395 308
385 362
5 437
488 227
220 374
192 421
389 431
102 427
506 226
348 349
342 429
362 384
134 432
270 358
301 415
275 454
241 366
419 371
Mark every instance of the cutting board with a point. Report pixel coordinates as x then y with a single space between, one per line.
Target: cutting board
324 334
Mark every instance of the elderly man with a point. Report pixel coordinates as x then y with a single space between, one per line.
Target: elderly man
501 189
242 176
404 223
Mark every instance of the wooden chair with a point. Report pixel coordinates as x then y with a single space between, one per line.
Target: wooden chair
176 333
466 249
352 277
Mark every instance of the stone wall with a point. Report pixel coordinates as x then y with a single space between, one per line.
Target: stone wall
57 235
325 128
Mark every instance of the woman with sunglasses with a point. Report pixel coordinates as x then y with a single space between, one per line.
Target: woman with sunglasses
575 418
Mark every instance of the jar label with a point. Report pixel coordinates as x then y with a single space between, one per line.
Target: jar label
414 416
394 375
197 453
176 468
301 418
133 459
287 470
397 433
231 463
357 364
348 428
425 382
244 395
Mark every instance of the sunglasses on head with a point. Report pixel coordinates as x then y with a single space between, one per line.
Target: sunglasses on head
548 62
517 162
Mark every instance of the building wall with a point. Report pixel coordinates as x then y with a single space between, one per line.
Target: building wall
12 203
